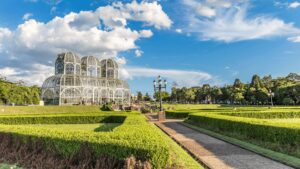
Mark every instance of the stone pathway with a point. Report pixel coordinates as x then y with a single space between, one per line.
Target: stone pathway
214 153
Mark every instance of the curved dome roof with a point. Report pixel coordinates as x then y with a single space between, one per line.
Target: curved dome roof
69 57
90 60
61 79
109 62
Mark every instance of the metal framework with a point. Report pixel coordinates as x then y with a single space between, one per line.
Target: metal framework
85 80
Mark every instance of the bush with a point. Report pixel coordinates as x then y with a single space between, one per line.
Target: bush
176 114
145 110
107 107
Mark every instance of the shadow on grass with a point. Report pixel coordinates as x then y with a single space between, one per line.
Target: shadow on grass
107 127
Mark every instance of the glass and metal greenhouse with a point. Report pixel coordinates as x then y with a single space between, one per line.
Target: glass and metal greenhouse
85 80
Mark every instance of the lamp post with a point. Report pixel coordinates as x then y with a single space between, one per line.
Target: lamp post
159 84
271 94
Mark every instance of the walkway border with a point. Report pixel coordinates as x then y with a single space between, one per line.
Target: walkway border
204 164
221 137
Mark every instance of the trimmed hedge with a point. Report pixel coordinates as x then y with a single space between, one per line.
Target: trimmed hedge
283 134
75 119
253 128
177 114
265 115
134 137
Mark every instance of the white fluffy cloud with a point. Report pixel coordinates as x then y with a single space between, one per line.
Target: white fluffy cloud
178 30
228 21
294 4
103 32
149 12
294 39
181 77
27 16
32 76
138 53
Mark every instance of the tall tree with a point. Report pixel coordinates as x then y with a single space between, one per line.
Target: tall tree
139 96
147 97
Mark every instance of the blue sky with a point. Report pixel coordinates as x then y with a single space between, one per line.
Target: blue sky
189 42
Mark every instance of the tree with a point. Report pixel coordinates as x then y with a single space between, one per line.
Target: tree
216 94
288 101
139 96
164 95
147 97
293 77
206 93
174 94
238 91
257 93
190 95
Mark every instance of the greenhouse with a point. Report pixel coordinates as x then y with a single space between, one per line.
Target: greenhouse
85 80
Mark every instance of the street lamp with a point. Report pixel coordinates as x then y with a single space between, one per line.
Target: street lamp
271 94
159 84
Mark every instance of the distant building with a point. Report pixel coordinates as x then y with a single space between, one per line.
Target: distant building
85 80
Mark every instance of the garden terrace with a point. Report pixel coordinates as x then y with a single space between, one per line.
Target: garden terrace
92 137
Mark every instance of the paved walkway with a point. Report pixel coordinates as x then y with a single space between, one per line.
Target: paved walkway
215 153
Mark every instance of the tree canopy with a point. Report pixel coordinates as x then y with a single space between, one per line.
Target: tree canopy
18 93
286 91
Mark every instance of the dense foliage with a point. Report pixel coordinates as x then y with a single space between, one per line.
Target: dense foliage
18 93
284 91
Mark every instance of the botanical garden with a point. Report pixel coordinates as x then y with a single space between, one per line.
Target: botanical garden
261 116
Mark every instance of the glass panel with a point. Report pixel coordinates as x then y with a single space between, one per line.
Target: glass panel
110 73
69 68
77 69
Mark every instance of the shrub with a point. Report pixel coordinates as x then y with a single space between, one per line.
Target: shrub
145 110
107 107
177 114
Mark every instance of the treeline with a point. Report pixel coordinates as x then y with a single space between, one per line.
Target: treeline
283 90
17 93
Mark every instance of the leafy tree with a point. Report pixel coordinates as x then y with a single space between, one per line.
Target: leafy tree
18 93
164 95
147 97
139 96
238 91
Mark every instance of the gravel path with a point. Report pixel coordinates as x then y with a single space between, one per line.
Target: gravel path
215 153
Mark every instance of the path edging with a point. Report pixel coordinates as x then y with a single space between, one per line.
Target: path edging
204 164
239 145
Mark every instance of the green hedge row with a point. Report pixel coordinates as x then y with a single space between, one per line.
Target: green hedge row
134 137
282 133
62 119
176 114
265 115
